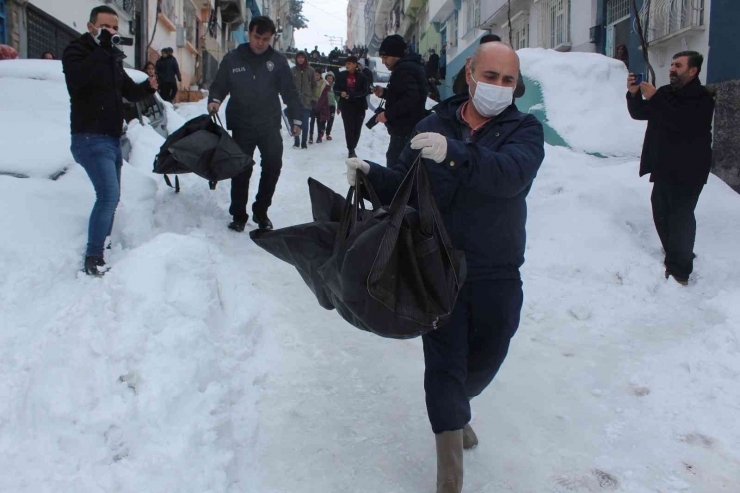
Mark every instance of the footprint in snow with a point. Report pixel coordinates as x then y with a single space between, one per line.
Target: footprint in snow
598 480
698 439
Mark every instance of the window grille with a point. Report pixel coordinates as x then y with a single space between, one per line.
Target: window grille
617 10
555 16
670 16
519 30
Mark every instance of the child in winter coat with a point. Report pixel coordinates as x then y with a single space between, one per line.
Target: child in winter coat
320 111
329 78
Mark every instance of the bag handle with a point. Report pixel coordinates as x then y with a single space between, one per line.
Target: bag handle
354 206
217 119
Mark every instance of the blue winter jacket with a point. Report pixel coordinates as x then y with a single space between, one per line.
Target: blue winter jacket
482 185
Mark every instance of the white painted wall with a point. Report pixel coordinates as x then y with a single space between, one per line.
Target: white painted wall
662 54
582 18
76 13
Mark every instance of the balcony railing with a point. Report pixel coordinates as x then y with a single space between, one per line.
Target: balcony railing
670 17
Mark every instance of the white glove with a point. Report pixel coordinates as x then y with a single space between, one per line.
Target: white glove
353 164
433 146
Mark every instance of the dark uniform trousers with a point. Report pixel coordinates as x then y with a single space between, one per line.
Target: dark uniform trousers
396 146
270 143
463 356
673 213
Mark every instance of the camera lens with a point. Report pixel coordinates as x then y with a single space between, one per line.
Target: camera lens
116 39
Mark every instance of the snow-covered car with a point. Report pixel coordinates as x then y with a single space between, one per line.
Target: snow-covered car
380 71
48 116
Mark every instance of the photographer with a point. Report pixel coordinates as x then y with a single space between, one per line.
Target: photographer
97 83
351 88
405 96
677 153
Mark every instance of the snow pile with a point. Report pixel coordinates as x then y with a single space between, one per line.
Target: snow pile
35 123
584 96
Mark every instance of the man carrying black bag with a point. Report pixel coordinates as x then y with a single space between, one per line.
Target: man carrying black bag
256 75
481 155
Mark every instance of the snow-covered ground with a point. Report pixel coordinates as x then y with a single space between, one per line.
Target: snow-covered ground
200 363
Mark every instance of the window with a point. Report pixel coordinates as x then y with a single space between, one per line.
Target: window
472 15
454 31
3 35
190 21
555 30
519 30
442 35
616 10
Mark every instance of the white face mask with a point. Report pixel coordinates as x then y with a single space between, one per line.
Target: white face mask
490 100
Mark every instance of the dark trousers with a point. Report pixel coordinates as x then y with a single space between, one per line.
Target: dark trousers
316 117
330 123
463 356
168 90
673 213
270 144
353 118
398 142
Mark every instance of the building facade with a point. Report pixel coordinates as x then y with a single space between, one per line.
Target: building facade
356 33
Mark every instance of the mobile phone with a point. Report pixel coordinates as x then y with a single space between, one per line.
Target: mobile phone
638 79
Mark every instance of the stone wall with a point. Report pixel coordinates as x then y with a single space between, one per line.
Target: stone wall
726 154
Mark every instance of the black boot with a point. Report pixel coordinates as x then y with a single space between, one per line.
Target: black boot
352 154
95 265
261 219
237 226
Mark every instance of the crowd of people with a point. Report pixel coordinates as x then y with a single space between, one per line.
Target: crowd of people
480 152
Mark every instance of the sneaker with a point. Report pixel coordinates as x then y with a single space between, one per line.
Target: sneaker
352 154
328 137
296 146
304 146
310 140
237 226
95 266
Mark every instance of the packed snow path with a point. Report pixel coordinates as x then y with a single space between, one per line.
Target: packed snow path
202 364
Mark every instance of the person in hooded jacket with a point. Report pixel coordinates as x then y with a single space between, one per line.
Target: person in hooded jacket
405 95
481 155
168 74
97 84
320 108
332 98
256 76
304 79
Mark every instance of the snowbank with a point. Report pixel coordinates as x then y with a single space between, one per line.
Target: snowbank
34 130
584 97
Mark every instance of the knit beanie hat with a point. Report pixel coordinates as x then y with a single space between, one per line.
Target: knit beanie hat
393 45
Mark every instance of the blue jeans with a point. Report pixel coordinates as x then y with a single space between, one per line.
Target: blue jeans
100 156
304 129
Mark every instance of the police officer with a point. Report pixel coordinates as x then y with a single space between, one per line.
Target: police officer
256 76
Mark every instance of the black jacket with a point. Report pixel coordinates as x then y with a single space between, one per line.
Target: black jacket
357 95
256 83
433 66
406 95
167 70
97 84
482 185
678 141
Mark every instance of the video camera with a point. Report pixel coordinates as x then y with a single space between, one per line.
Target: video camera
374 119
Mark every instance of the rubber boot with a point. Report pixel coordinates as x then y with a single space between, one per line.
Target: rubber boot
470 439
449 461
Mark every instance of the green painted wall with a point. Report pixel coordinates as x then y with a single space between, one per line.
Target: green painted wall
430 39
533 102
